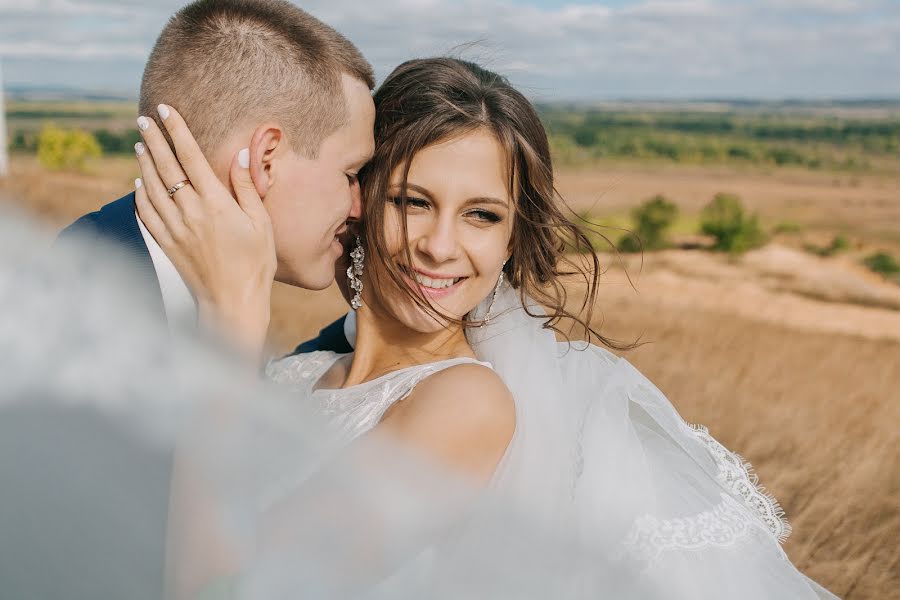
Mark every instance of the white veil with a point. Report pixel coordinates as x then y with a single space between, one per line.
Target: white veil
603 491
600 453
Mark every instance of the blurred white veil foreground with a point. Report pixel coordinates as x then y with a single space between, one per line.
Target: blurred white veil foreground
603 492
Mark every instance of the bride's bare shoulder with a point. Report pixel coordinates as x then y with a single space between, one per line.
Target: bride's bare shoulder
465 415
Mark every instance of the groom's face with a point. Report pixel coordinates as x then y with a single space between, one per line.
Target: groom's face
311 201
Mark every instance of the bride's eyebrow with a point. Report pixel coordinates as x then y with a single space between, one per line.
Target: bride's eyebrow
415 188
487 200
476 200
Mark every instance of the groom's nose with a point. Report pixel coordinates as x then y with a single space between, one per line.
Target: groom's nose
355 201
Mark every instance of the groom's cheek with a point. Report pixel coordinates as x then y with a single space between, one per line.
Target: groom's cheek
355 201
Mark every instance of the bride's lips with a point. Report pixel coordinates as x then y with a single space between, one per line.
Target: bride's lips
434 293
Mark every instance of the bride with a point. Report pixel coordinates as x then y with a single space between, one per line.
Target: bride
458 273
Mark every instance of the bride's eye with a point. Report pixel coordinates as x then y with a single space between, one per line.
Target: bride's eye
411 202
485 216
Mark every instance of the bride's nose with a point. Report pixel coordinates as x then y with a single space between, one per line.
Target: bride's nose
440 241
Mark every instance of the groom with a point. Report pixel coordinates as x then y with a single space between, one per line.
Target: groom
258 71
242 73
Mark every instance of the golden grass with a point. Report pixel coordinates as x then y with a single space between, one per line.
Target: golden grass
795 364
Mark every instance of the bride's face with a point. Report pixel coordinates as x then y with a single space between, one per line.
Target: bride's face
459 218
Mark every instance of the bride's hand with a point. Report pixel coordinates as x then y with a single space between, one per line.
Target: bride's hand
223 247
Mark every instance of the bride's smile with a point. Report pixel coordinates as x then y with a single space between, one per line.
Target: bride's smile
434 285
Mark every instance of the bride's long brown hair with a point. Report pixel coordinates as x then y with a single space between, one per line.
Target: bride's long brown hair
427 101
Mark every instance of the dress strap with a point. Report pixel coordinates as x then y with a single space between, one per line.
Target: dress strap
407 379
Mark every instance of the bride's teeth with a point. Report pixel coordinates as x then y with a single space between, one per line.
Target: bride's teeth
436 284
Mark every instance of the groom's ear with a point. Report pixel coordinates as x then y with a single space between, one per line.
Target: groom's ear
267 143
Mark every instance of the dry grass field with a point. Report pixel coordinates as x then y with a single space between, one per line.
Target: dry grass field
791 359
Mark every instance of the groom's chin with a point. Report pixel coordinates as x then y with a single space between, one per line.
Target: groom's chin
310 278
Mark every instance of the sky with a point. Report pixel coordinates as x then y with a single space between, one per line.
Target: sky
552 49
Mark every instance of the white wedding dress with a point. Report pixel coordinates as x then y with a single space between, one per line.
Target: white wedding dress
604 491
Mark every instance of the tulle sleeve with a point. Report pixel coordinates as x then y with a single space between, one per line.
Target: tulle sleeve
656 505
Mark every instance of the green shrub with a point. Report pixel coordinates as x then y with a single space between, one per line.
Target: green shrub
782 155
838 244
23 141
122 142
652 219
61 149
787 227
741 152
724 219
630 243
882 263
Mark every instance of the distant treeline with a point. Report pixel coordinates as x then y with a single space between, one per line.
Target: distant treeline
111 142
54 113
580 135
584 135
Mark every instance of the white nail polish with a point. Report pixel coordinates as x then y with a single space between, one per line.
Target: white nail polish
138 183
143 123
244 158
139 149
163 111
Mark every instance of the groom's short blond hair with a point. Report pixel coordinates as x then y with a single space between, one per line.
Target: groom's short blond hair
226 63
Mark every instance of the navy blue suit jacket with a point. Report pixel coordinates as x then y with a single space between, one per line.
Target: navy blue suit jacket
330 338
116 223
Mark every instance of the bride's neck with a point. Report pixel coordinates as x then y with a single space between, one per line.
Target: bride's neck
385 345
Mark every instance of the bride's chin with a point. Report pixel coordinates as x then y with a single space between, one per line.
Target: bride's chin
418 320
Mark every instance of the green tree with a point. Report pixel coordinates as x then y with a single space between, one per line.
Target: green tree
652 219
734 231
60 149
585 137
19 142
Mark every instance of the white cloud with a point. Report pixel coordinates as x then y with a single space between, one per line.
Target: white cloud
586 49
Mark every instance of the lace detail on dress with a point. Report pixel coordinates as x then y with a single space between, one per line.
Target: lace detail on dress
737 476
724 525
350 411
299 369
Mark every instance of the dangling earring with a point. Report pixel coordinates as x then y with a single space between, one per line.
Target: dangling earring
355 272
488 316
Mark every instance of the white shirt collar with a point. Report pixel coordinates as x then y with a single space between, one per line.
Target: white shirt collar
179 303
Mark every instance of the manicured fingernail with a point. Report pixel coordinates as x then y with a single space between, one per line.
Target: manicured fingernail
244 158
143 123
139 149
163 111
138 183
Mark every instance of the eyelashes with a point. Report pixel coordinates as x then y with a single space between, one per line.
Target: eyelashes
479 214
410 201
486 215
